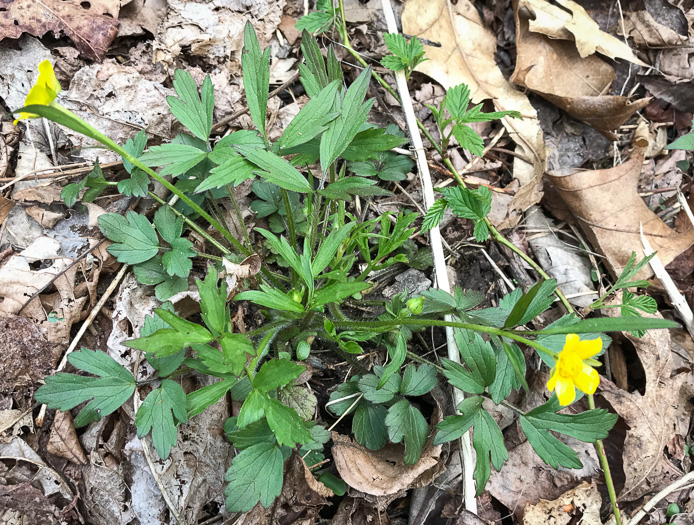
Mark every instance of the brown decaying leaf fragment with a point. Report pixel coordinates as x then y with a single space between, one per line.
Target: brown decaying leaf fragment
581 503
609 210
654 418
383 472
92 25
555 70
63 440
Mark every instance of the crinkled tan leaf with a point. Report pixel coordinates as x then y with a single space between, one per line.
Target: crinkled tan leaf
569 21
556 70
653 419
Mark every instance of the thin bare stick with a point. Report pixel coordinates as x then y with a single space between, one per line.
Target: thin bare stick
438 256
662 494
87 323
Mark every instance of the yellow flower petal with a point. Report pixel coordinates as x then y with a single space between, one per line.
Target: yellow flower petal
554 375
588 380
589 348
43 92
572 341
566 393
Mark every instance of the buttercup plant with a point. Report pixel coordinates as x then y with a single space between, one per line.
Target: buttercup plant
330 261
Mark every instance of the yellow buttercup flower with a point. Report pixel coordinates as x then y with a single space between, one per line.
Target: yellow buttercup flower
44 91
574 369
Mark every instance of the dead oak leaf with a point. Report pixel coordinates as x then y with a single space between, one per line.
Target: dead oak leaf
383 472
92 25
654 418
610 210
570 21
557 71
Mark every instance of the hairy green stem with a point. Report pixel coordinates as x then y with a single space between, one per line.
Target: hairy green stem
395 323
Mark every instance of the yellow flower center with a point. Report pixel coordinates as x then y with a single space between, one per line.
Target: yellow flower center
569 366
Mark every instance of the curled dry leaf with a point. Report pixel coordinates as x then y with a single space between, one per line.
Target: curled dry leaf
609 210
466 56
668 28
653 418
582 503
91 26
570 21
383 472
558 71
6 206
63 440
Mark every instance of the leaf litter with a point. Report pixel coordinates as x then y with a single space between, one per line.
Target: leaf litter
125 97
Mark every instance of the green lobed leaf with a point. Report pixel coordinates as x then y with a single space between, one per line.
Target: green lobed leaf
242 438
417 381
369 425
478 355
192 110
161 412
434 214
198 400
271 298
334 293
467 203
168 224
213 298
369 386
344 397
136 186
345 127
234 171
108 392
256 77
329 247
345 188
178 158
134 238
312 118
407 423
549 448
460 378
135 146
276 373
315 22
288 427
276 169
255 476
177 261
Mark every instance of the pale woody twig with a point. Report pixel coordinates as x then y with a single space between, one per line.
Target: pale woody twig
438 255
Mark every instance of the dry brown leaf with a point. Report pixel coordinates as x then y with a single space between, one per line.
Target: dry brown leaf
92 25
653 418
42 194
570 21
466 56
26 356
609 210
6 206
582 503
383 472
45 218
649 31
63 440
525 478
555 70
